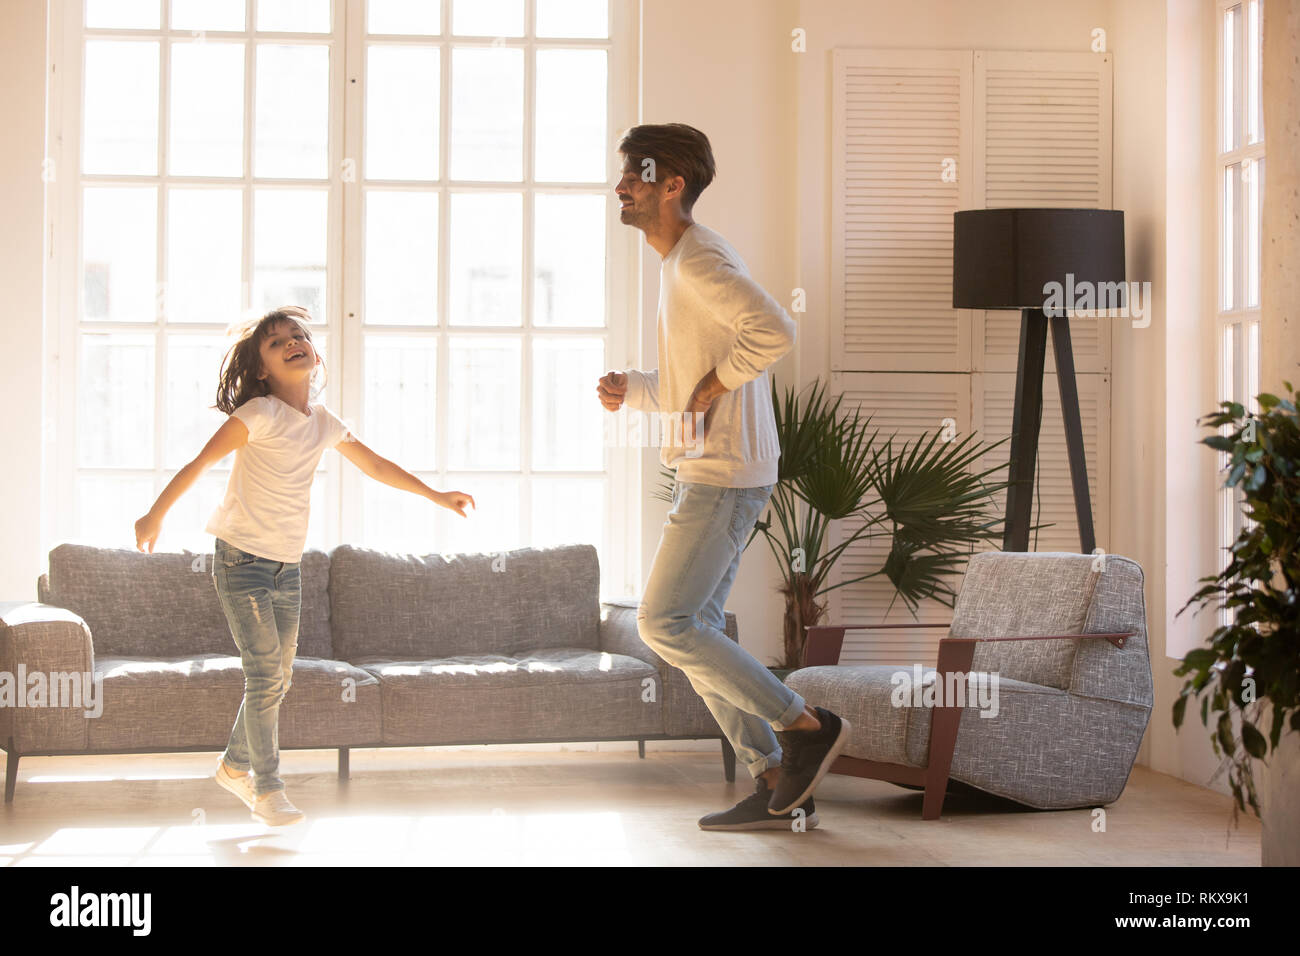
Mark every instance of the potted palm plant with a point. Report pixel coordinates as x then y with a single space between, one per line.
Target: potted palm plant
834 468
1249 675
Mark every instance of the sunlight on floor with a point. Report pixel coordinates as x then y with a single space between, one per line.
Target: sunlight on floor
498 839
97 778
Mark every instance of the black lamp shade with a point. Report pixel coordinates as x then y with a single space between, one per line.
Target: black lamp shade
1003 258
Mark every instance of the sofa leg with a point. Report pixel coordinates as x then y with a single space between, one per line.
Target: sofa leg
11 771
728 760
640 749
344 770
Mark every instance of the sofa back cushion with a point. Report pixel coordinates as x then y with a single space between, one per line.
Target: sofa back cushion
410 607
165 605
1014 593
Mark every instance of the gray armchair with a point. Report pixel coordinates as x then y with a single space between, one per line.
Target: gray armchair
1057 700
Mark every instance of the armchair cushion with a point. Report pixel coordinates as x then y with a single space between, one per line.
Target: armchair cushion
882 731
1007 594
1051 751
1105 672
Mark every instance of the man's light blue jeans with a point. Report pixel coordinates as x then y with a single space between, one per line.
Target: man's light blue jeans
262 600
681 618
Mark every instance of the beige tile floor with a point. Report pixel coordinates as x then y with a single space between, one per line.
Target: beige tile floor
493 806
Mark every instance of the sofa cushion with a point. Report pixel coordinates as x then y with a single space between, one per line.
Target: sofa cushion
165 605
414 608
685 713
1008 594
554 694
171 704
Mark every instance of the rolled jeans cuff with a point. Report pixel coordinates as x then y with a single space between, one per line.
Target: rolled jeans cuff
791 713
761 766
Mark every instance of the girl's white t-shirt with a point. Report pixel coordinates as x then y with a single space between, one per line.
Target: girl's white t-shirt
268 499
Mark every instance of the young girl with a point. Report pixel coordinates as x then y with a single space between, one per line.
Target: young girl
278 435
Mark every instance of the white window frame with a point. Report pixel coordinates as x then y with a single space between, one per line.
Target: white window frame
344 265
1236 331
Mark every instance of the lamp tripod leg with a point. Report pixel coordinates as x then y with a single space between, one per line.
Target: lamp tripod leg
1025 423
1069 387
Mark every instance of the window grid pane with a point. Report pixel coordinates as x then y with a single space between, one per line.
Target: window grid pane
206 122
119 253
487 114
410 17
401 142
119 133
122 14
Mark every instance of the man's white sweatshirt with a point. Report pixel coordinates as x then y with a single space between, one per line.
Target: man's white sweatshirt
712 314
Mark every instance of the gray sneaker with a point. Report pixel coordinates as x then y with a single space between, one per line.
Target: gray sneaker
752 814
806 756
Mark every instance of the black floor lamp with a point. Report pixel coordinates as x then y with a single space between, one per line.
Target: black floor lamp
1006 259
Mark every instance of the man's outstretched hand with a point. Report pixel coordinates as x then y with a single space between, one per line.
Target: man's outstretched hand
612 389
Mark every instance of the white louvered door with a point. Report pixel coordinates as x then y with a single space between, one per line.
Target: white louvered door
901 156
1031 129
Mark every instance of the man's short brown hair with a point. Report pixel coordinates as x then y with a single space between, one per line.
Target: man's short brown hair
677 150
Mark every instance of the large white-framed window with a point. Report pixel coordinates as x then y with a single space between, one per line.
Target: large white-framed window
432 179
1239 189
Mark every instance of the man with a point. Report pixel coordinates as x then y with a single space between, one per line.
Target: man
718 332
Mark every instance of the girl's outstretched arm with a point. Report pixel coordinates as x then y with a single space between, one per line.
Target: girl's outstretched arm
385 471
233 434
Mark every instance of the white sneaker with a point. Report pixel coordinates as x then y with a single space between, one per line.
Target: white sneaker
275 810
240 786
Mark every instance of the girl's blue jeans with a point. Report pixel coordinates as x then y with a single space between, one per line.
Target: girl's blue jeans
681 618
262 600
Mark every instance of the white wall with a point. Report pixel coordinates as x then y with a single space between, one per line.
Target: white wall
1164 374
22 197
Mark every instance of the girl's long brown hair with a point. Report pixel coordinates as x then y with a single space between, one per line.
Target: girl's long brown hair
242 365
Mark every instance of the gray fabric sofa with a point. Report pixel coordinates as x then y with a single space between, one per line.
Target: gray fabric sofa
393 650
1066 636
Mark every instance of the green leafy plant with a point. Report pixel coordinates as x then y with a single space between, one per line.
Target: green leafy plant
1256 656
834 467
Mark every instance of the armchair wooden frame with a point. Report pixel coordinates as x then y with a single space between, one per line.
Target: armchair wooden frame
956 654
